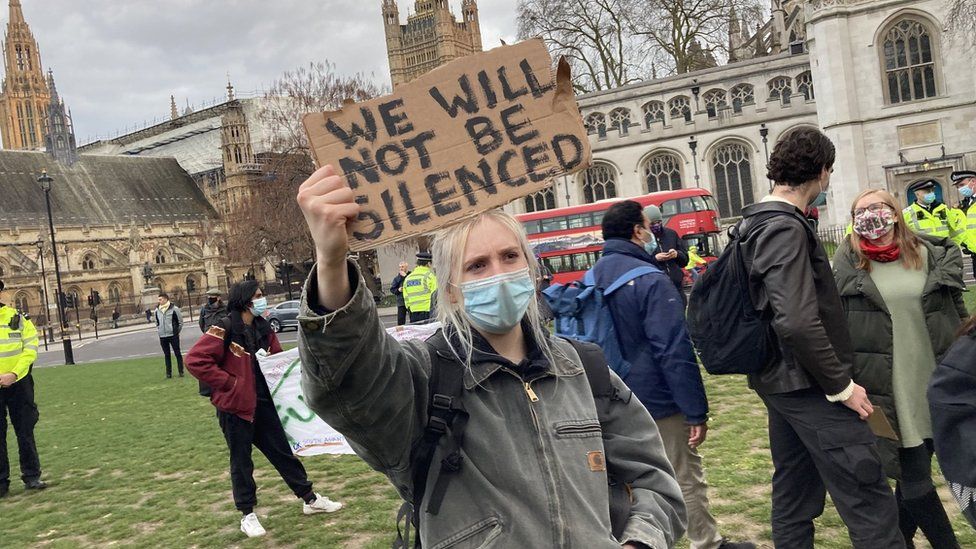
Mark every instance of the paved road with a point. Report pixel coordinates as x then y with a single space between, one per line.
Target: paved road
137 344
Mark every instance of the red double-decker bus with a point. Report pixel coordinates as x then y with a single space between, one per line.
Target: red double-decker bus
569 240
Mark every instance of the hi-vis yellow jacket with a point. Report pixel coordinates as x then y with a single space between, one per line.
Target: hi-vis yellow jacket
963 220
418 289
935 223
18 342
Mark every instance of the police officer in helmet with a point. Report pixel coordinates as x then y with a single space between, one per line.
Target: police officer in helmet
18 350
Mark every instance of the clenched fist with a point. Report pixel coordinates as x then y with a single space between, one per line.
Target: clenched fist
329 206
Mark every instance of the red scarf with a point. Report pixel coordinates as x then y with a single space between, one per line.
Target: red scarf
881 254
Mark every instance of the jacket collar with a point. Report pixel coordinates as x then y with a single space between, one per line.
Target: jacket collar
485 361
625 247
770 206
944 268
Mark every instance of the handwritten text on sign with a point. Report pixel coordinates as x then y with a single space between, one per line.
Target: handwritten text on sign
467 137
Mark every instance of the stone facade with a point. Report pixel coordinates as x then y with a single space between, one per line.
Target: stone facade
431 37
112 216
829 64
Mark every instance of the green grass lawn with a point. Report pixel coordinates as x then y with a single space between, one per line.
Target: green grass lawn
136 460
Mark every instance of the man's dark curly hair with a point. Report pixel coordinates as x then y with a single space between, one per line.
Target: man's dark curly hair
620 219
800 156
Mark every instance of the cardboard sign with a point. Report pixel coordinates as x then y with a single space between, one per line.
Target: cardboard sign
467 137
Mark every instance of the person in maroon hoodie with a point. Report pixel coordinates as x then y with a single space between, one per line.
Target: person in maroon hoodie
224 358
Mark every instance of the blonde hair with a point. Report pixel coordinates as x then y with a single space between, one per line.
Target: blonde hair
448 261
906 240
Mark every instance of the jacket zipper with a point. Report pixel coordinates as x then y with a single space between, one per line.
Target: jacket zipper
559 530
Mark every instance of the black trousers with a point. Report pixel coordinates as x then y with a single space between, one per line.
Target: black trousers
267 434
819 447
401 315
172 342
419 316
18 401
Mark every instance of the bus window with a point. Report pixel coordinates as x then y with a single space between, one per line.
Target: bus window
559 263
669 208
583 261
699 203
685 206
532 227
580 221
554 224
710 203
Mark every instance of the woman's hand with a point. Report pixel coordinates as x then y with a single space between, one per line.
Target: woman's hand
329 205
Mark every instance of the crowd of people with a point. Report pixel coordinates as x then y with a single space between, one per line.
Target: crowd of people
858 339
497 431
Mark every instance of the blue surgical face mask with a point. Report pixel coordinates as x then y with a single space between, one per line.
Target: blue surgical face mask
497 304
820 200
650 246
259 305
928 198
966 191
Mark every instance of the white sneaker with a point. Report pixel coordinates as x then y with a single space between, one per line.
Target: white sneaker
251 526
321 504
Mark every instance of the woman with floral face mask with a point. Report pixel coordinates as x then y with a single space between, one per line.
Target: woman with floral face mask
531 467
902 293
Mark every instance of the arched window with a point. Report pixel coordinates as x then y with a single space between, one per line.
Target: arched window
599 183
680 107
804 85
2 272
732 164
908 57
743 94
21 303
596 123
114 294
653 112
714 101
160 257
541 200
780 88
662 172
620 120
88 263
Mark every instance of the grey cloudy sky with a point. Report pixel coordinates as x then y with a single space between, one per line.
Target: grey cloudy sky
117 62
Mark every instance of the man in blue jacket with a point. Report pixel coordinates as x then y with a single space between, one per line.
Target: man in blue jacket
649 317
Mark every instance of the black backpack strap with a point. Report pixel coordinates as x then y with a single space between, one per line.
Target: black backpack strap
446 415
598 374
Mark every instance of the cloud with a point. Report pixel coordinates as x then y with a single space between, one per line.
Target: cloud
117 63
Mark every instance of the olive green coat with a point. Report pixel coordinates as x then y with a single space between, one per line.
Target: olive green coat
871 328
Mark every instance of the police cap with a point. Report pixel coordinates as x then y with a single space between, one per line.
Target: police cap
922 184
960 176
424 256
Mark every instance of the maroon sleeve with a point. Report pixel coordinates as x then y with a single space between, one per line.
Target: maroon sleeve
206 358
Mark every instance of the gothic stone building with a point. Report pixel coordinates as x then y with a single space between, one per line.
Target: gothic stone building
878 76
431 37
112 215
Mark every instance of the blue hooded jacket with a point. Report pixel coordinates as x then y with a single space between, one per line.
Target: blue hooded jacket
649 316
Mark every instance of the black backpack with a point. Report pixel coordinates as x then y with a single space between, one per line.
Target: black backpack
730 334
446 416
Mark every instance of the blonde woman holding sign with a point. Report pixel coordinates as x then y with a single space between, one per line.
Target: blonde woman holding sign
525 457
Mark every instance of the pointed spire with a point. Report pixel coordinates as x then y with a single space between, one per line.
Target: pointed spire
230 89
16 13
173 113
187 110
53 90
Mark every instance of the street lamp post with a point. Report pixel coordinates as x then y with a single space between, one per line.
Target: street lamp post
45 182
693 145
47 304
764 134
286 275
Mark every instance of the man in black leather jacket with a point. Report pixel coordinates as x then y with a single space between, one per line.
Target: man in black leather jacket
818 438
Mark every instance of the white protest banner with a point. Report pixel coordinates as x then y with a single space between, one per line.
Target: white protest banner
464 138
307 434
